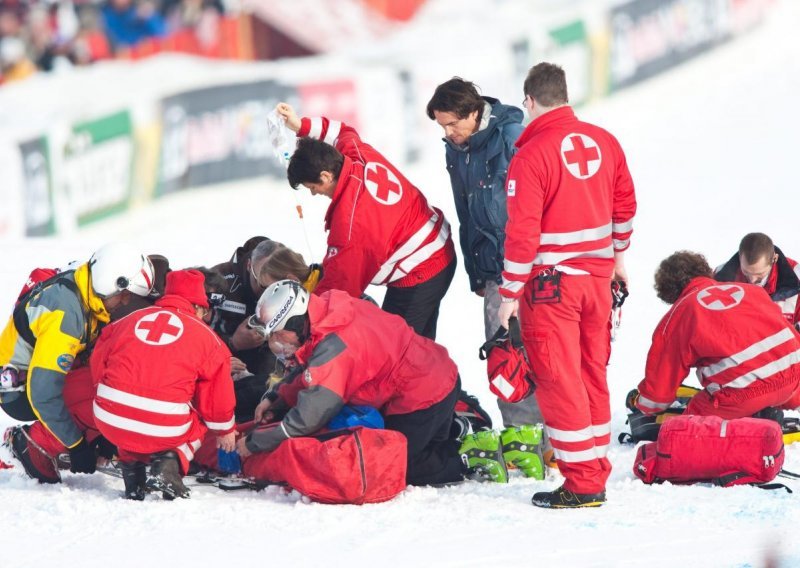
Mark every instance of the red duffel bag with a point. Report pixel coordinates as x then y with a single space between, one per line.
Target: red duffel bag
357 465
710 449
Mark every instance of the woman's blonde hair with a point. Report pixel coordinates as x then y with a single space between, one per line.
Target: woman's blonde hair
283 262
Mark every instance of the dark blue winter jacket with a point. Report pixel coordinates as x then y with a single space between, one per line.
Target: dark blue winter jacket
478 176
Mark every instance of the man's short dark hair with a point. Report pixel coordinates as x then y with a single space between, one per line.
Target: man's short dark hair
456 96
310 159
755 246
676 271
547 85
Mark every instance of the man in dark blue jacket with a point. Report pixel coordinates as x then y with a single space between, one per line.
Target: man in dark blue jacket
479 142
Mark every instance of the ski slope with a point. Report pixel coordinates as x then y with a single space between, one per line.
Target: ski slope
710 146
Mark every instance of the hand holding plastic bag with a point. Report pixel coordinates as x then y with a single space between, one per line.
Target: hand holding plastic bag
281 138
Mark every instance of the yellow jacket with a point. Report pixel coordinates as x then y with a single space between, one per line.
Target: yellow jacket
63 318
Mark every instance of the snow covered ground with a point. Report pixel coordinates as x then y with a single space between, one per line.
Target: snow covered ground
711 146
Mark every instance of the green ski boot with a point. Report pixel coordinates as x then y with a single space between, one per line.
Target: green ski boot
483 455
522 446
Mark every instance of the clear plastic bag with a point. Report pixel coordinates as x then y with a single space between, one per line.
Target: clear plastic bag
281 138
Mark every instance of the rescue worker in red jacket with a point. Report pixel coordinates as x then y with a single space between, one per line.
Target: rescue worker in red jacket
570 204
760 262
352 352
381 229
163 379
746 355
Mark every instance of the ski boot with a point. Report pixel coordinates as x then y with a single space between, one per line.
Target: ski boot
522 447
36 462
165 476
134 475
482 454
565 499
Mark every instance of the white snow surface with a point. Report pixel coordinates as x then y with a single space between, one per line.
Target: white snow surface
711 147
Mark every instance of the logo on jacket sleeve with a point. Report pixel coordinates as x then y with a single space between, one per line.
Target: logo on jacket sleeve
720 297
382 184
581 155
511 188
159 328
65 361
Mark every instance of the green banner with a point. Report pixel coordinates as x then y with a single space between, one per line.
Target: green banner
96 167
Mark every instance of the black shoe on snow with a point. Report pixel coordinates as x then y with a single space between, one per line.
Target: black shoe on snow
565 499
134 474
34 460
165 476
770 413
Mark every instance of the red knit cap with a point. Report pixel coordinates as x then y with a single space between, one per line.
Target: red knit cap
188 284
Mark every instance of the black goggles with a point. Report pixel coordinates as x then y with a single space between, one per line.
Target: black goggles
215 299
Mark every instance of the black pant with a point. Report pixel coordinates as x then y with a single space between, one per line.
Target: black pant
432 456
248 392
419 305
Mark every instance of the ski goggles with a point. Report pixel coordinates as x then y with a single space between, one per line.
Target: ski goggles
254 323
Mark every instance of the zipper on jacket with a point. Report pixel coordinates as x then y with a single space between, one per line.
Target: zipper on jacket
361 464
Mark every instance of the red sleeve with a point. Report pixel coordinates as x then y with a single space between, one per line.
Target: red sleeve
525 192
349 267
624 204
668 363
338 134
214 398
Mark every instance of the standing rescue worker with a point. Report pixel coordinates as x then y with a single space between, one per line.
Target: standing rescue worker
570 210
381 229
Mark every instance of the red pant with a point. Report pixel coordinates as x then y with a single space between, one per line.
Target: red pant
78 396
569 344
781 391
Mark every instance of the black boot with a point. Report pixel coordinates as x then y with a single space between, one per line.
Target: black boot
565 499
134 474
770 413
165 475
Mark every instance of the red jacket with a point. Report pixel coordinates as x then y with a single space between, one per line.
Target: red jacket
732 333
160 365
570 200
358 354
381 228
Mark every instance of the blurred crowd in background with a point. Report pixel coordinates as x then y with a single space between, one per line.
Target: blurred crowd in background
49 35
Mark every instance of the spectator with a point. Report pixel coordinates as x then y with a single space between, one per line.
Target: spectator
127 23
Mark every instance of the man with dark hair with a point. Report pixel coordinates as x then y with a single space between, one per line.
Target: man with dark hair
571 204
760 262
381 229
747 357
480 133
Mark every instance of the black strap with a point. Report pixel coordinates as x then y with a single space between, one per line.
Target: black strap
21 321
513 333
771 486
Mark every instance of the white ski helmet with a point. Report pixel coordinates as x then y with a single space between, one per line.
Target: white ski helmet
280 302
117 267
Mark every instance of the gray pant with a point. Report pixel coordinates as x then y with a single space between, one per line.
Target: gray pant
517 413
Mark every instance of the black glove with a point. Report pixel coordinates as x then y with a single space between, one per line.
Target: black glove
82 458
631 399
103 448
